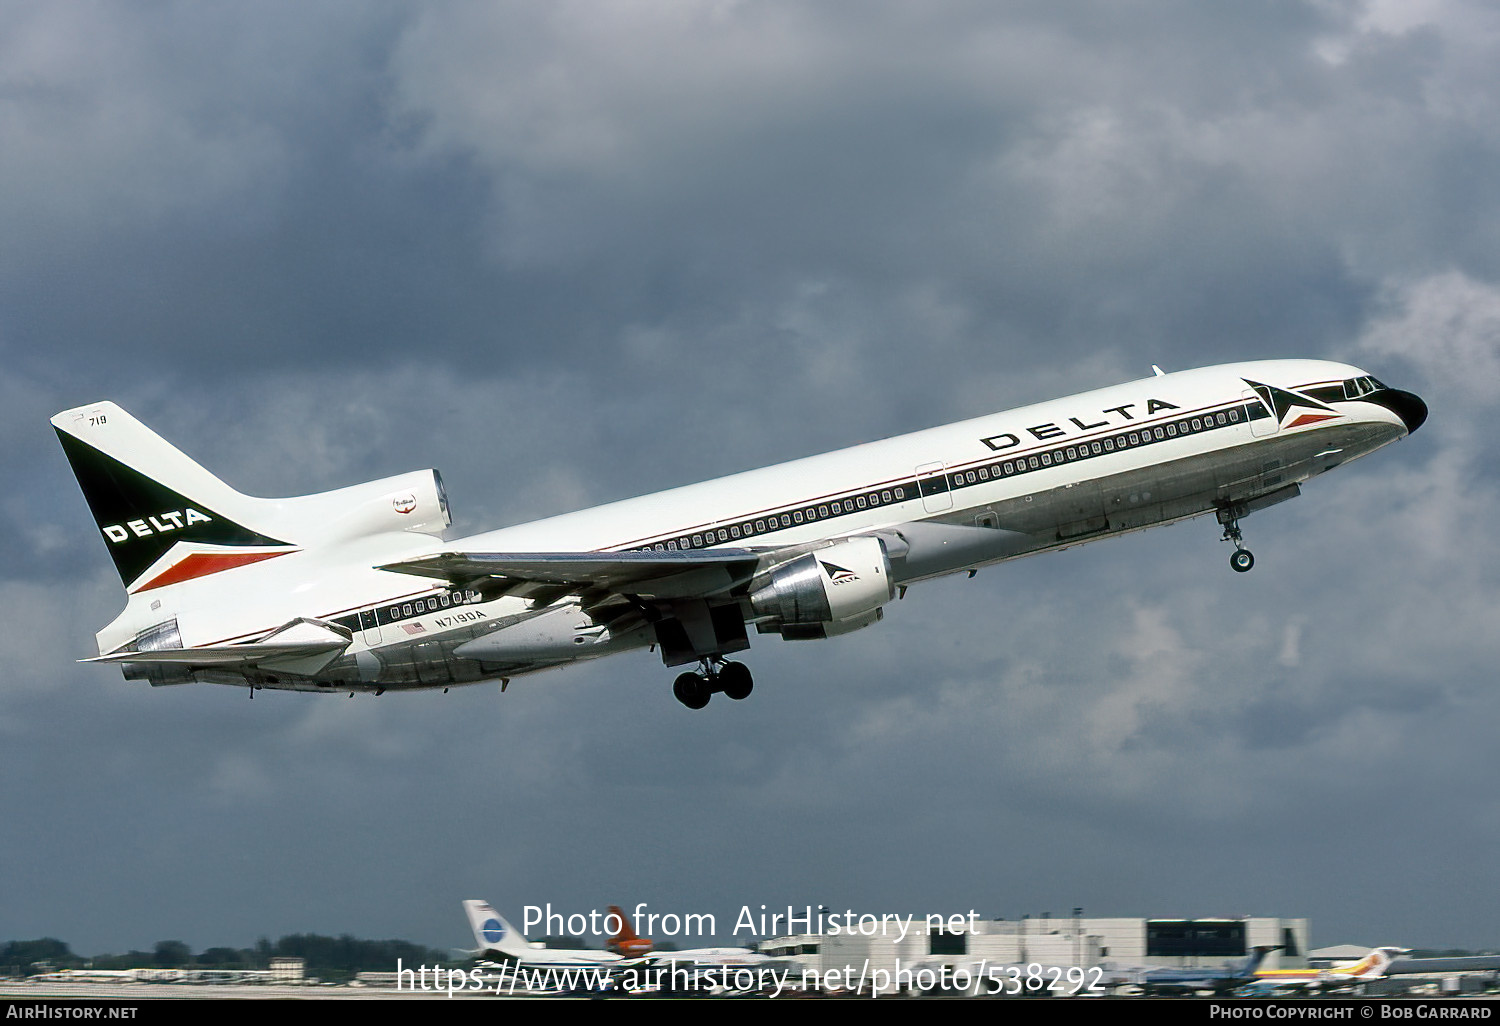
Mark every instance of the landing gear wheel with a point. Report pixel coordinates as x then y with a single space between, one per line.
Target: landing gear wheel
1240 560
691 690
735 681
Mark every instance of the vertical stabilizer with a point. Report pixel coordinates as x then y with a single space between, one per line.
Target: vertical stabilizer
492 933
626 941
1375 965
1256 957
163 517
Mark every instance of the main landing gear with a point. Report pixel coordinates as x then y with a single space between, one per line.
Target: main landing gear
1241 559
695 689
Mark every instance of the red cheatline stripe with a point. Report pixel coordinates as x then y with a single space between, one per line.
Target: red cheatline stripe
201 564
1310 418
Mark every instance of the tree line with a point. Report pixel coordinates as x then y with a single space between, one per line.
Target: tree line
325 957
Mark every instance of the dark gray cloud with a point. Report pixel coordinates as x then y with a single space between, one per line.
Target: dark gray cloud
573 252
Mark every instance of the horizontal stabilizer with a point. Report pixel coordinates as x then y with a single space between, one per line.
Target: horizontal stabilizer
613 571
302 646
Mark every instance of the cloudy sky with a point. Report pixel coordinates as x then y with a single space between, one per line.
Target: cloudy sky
574 251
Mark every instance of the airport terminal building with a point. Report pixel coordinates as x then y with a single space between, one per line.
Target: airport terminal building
1070 941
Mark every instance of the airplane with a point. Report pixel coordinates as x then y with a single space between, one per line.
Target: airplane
499 941
356 590
627 943
1223 980
1339 977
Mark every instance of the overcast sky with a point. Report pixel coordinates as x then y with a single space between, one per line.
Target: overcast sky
569 252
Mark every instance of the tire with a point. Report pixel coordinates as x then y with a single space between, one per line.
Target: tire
1241 560
691 690
735 680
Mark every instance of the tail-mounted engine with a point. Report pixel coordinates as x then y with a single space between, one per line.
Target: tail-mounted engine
831 591
414 502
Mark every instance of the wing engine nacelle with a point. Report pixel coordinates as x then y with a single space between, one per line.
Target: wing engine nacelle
831 591
819 631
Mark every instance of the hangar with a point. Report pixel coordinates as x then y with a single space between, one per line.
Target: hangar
1065 941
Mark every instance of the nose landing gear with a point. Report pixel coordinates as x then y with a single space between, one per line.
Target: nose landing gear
695 689
1241 559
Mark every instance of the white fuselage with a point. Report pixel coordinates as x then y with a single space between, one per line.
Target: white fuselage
945 499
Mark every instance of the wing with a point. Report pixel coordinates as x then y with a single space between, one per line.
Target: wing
592 575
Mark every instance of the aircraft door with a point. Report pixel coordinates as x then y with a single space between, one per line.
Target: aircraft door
1263 420
932 482
369 627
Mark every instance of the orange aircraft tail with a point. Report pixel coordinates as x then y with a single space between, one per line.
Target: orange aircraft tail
625 942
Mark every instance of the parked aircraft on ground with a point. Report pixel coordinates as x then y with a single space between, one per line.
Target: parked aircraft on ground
500 941
356 590
1339 977
1222 980
627 943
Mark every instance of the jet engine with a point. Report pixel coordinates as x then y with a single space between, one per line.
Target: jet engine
831 591
414 502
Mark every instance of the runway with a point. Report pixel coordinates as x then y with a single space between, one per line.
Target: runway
18 990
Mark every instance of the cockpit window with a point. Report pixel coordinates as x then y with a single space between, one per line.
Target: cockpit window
1357 388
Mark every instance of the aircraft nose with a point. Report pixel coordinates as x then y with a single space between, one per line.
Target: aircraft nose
1406 405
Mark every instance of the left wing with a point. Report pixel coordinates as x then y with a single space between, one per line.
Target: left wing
649 575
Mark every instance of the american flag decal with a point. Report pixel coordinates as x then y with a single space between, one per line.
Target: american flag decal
413 628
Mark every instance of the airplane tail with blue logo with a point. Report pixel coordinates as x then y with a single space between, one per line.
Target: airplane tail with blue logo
492 933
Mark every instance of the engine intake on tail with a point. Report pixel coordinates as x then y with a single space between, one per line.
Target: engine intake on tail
414 502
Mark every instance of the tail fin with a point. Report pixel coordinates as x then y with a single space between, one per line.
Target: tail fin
1376 963
1256 957
626 941
492 933
167 520
146 497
